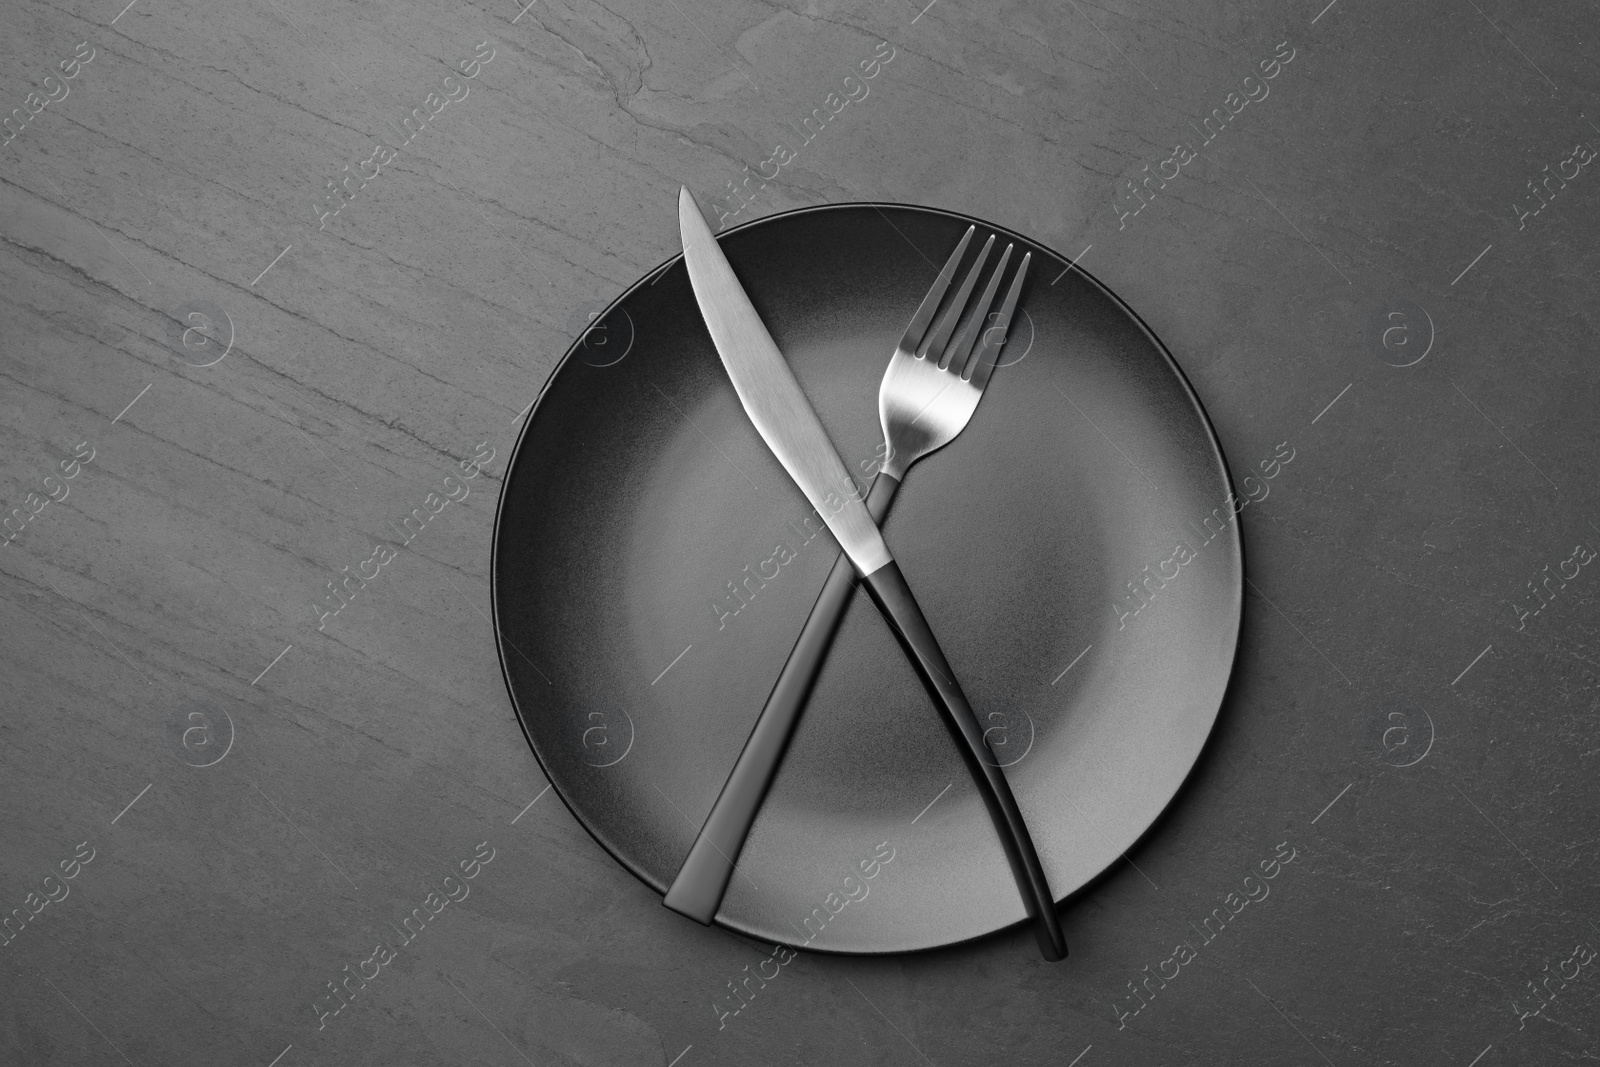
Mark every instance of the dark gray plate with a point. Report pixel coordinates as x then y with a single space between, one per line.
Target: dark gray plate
639 491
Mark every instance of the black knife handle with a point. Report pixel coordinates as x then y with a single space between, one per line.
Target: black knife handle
888 589
703 879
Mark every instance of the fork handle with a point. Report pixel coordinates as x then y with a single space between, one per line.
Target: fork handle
888 589
703 879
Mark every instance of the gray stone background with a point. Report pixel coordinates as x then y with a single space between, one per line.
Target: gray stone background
262 395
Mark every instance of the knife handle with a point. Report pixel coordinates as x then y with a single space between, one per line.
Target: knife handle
888 589
703 879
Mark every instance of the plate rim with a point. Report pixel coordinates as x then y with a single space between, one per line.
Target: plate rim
1069 265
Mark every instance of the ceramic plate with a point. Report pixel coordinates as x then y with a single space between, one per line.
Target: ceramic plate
1073 549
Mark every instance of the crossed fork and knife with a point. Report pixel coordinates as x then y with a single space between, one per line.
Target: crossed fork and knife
929 392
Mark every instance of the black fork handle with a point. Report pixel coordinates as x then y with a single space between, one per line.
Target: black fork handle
702 881
888 589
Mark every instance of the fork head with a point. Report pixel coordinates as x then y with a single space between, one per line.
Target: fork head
934 382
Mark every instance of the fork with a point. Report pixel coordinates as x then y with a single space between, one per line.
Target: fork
928 394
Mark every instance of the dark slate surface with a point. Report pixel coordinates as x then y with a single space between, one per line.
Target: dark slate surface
1401 722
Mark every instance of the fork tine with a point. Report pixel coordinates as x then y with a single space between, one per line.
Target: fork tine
962 346
941 336
988 353
930 303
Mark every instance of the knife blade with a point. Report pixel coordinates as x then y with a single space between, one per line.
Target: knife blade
772 397
786 421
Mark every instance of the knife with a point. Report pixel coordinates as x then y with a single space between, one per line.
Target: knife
775 403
